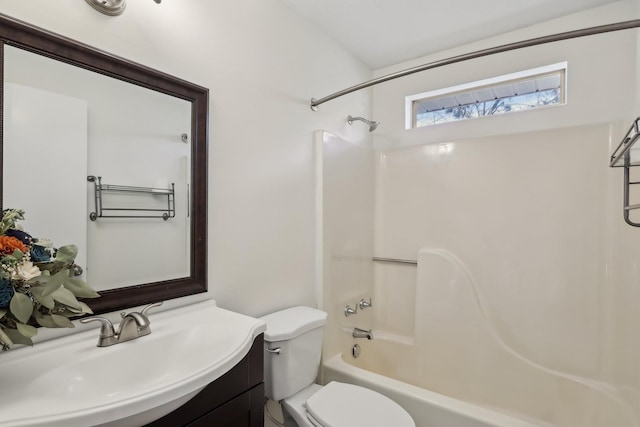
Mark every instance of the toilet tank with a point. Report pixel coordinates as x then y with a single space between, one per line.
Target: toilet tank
297 332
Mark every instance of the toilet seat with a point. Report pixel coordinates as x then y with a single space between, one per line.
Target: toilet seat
347 405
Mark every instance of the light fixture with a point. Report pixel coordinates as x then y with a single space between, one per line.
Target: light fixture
111 7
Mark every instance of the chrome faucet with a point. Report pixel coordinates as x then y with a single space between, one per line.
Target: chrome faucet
133 325
362 333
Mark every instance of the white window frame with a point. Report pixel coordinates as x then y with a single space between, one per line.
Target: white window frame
409 100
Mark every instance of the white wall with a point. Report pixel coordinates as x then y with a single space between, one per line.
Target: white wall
262 65
601 80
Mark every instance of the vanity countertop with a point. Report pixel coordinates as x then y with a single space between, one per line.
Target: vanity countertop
70 382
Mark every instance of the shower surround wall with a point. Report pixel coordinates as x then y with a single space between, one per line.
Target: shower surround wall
513 302
344 235
523 297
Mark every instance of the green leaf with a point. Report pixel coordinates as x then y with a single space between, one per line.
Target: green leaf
17 254
80 288
61 321
85 309
8 259
45 267
17 337
67 312
66 297
55 281
27 330
67 253
45 300
21 306
4 338
45 320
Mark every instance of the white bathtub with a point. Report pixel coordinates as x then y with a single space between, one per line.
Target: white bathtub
442 392
428 409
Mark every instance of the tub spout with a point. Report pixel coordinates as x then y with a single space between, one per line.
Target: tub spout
362 333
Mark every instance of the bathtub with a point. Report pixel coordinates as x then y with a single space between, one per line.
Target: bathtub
428 409
440 388
452 365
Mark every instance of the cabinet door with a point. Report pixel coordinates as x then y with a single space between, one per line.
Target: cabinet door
245 410
228 394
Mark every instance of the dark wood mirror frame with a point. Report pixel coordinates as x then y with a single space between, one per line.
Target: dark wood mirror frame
25 36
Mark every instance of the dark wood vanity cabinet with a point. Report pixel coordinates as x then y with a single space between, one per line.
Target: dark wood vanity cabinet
236 399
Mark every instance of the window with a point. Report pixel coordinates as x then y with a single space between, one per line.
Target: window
521 91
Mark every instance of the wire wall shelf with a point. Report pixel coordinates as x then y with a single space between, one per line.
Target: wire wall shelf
104 210
626 156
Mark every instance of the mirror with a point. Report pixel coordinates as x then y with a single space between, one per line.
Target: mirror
142 132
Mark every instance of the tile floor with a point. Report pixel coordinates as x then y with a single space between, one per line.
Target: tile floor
275 411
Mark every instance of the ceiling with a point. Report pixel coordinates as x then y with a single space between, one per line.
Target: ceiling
387 32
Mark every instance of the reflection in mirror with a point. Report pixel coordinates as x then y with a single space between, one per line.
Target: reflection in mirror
90 124
70 111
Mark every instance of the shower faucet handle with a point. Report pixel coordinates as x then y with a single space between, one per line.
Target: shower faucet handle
348 311
365 304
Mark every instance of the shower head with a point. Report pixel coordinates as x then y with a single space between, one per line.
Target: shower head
372 124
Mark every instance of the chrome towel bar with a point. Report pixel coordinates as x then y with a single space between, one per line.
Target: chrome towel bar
395 260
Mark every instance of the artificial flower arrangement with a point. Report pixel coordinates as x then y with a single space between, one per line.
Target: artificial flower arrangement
37 284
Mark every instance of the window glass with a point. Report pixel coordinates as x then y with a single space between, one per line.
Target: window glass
520 91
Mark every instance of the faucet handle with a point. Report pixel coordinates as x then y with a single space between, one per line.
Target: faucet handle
107 334
149 307
348 311
106 328
365 304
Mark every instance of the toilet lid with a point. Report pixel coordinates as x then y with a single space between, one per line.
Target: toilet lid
346 405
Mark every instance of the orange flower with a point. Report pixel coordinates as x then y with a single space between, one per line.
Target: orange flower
9 244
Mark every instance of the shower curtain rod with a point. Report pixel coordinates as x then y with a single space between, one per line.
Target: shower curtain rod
618 26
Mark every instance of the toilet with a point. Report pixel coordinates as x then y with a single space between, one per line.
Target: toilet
293 346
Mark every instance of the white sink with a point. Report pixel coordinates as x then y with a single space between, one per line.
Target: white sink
70 382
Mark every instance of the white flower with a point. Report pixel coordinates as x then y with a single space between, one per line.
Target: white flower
25 271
